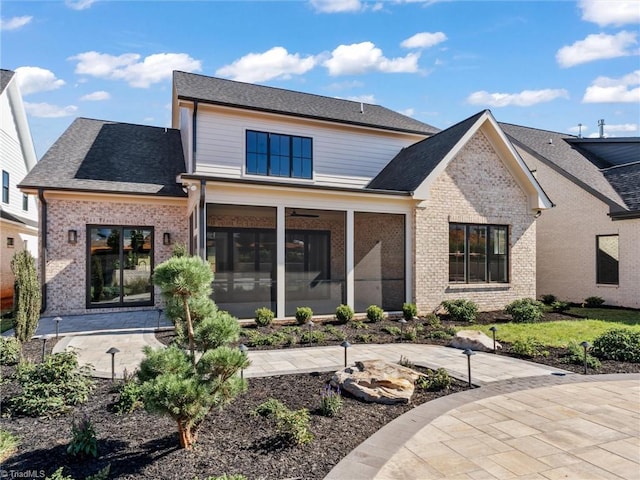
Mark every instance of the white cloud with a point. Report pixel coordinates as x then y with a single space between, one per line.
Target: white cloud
14 23
128 67
622 129
371 99
274 63
409 112
607 12
337 6
526 98
79 4
365 57
46 110
597 47
96 96
424 40
614 90
578 129
36 79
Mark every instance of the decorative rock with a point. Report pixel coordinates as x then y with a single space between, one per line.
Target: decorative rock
473 339
377 381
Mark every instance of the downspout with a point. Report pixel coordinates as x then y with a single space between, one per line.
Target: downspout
201 222
194 136
42 250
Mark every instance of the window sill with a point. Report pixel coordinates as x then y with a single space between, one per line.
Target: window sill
477 287
607 285
275 179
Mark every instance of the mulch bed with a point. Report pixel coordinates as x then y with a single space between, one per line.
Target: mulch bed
141 445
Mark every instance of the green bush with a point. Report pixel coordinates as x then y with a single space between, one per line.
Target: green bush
435 381
359 325
314 336
27 295
525 310
129 395
618 344
51 387
529 347
344 313
461 310
432 320
9 350
58 475
575 355
410 334
409 310
292 425
365 337
330 401
593 302
375 313
391 330
303 315
548 299
8 444
443 334
264 316
560 307
336 333
84 442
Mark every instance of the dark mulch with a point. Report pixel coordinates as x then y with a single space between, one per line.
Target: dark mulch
140 445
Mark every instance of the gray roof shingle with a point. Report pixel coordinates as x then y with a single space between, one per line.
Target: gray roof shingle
189 86
5 78
413 164
625 180
557 150
102 156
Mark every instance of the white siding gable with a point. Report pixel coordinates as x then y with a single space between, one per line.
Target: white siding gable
343 156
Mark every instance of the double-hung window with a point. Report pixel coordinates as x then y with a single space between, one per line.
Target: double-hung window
607 259
5 187
478 253
278 155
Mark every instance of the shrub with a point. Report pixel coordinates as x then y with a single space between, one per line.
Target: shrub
264 316
529 347
593 302
432 320
560 307
575 355
440 334
618 344
51 387
410 334
129 395
179 250
461 310
314 336
409 310
391 330
344 313
8 444
9 350
359 325
335 332
58 475
83 439
27 295
548 299
365 337
292 425
375 313
435 381
303 315
330 401
525 310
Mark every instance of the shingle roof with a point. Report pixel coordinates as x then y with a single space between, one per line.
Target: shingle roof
413 164
625 180
5 78
17 219
220 91
556 150
101 156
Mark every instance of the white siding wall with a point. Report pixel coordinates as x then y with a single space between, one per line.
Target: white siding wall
342 156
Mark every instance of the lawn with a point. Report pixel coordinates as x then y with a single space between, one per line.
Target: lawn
559 333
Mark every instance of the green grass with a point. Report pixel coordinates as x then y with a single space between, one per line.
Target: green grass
561 332
8 444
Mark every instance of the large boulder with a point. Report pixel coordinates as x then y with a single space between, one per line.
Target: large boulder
377 381
474 340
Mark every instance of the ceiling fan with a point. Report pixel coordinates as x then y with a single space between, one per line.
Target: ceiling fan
294 213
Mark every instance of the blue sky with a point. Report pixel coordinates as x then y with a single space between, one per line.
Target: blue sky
544 64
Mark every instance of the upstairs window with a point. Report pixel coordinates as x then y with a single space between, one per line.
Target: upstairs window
478 253
25 202
5 187
607 259
277 155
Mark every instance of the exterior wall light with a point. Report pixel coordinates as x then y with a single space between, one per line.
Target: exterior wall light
72 237
166 238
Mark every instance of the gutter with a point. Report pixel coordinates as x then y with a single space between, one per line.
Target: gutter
202 220
43 250
624 215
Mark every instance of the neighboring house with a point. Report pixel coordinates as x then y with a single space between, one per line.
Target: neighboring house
294 200
18 211
589 244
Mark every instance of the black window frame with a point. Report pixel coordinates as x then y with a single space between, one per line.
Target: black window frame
489 255
602 270
5 186
269 170
25 202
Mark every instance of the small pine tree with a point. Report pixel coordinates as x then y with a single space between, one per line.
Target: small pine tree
27 293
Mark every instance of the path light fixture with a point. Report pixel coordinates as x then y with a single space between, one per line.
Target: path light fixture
309 327
468 352
57 320
585 345
493 329
402 324
112 351
44 339
345 345
243 349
